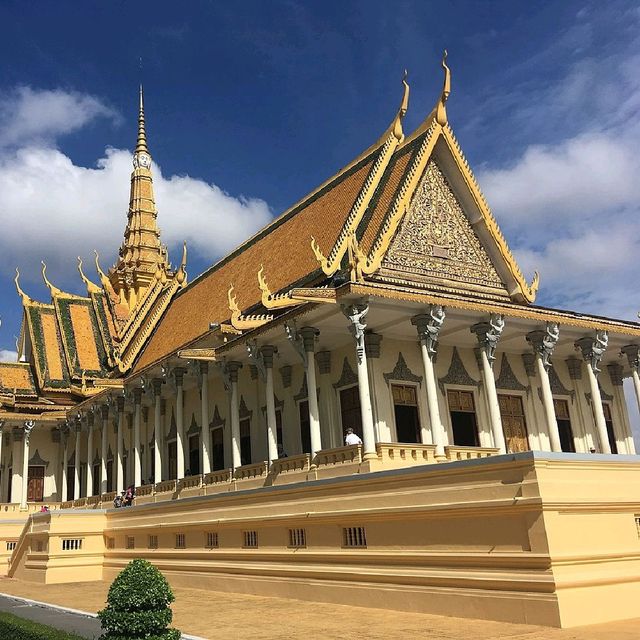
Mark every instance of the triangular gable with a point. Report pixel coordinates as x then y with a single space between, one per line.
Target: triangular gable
430 226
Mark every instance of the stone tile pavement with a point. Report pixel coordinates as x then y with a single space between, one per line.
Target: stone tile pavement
210 614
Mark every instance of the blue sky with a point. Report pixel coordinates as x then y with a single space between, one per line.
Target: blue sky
251 105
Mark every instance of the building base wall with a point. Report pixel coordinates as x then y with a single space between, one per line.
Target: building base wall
547 539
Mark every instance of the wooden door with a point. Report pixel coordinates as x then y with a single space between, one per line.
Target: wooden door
35 484
405 407
513 423
217 448
350 410
173 460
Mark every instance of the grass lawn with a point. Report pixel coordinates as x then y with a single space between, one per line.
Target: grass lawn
15 628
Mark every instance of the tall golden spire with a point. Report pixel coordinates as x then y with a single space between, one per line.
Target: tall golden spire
141 255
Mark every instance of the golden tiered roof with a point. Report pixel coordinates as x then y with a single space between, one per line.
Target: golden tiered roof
70 347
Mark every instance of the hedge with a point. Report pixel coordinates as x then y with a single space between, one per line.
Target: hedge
20 629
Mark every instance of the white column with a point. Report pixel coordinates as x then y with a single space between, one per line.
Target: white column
90 420
179 378
120 461
28 428
266 354
137 415
204 416
624 426
104 447
428 326
488 334
157 430
232 369
632 351
308 335
592 351
16 478
356 314
543 343
65 462
76 466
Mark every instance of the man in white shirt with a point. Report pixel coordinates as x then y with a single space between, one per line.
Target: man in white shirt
351 437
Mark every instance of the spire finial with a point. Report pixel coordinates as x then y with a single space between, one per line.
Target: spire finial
441 113
141 145
402 110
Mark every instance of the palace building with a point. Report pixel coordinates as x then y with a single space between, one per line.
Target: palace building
496 477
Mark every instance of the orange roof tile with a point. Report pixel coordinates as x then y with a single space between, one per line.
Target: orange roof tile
16 376
283 247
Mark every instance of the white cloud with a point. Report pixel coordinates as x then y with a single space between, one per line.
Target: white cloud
6 355
53 209
28 115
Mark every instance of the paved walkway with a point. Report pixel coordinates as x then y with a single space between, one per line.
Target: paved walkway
233 616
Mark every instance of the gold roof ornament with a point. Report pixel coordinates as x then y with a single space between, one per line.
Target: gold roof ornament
441 111
54 290
269 300
240 322
91 288
25 298
402 110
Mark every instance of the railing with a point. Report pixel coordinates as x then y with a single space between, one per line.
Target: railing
166 486
68 504
401 453
189 482
93 500
258 470
292 463
108 497
144 490
341 455
32 507
218 477
469 453
80 502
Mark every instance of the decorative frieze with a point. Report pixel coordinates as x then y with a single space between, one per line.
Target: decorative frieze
507 379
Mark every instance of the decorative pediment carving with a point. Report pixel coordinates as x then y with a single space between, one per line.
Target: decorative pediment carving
457 374
557 388
347 378
508 379
216 420
37 461
243 410
401 372
194 427
173 427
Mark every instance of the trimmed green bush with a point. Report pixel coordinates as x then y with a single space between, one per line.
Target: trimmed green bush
20 629
138 605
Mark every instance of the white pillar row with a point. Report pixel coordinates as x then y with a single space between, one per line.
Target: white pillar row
104 447
76 466
231 372
616 376
178 374
3 467
65 461
328 409
488 334
593 349
632 351
16 478
90 423
204 416
137 417
157 429
543 343
356 314
266 355
119 445
372 342
308 336
27 429
428 326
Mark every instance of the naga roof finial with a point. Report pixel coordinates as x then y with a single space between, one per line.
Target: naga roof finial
21 293
91 287
441 112
54 290
402 110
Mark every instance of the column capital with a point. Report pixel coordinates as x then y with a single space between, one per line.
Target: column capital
156 386
29 426
615 374
323 358
204 367
232 368
488 334
428 326
356 314
528 360
593 348
104 411
285 372
309 336
372 344
632 351
120 403
17 434
137 396
267 352
544 341
574 365
178 375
